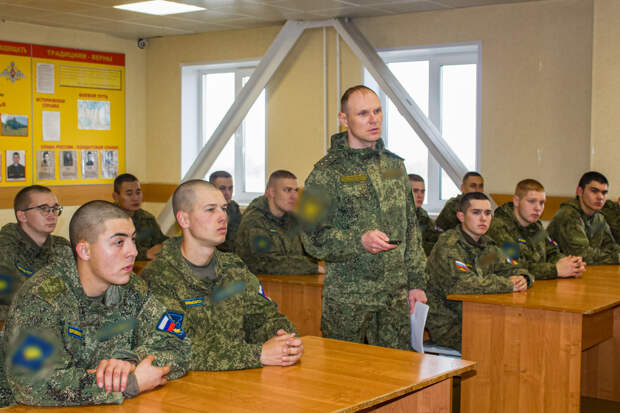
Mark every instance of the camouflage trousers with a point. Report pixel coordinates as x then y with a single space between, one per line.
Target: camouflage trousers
6 396
385 327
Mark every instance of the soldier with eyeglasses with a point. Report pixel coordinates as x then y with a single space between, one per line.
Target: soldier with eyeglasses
28 245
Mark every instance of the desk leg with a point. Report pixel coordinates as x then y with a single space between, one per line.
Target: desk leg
529 360
432 399
601 366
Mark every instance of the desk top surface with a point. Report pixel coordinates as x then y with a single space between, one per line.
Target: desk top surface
597 290
315 280
332 376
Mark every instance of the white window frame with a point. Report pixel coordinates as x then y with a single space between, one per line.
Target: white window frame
193 124
437 56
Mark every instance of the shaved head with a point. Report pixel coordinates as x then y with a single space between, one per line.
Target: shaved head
89 221
184 197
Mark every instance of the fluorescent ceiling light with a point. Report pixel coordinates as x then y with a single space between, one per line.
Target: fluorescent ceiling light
159 7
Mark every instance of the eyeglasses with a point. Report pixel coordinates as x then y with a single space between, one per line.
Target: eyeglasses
46 210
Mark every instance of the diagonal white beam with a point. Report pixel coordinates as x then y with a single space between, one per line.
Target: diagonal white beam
407 107
277 52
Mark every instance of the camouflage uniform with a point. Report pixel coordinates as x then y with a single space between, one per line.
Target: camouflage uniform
271 245
531 246
459 265
447 217
20 258
234 219
148 232
227 318
427 232
611 211
585 236
74 333
365 297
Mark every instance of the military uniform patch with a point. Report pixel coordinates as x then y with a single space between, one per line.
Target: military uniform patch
75 332
24 270
511 261
6 284
521 240
555 244
353 178
193 302
392 173
438 229
32 353
115 329
261 243
461 266
171 323
227 291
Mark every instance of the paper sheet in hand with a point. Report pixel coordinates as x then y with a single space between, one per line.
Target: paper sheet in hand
418 321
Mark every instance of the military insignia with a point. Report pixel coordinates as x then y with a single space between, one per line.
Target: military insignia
6 284
521 240
273 230
261 292
75 332
32 353
171 323
310 207
115 329
24 270
227 291
461 266
555 244
12 73
510 249
511 261
194 302
438 229
261 243
353 178
392 173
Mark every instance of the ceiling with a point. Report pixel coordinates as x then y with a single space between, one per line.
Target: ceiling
100 16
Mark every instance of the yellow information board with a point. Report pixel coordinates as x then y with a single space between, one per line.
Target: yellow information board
73 104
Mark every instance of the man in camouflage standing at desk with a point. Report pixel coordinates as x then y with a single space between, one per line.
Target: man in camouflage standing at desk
359 216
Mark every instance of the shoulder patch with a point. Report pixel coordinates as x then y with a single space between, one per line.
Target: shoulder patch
552 242
51 288
24 270
461 266
171 323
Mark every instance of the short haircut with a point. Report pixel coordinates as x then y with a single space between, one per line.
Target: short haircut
184 197
527 185
279 174
22 199
470 174
347 94
592 176
218 174
89 221
122 178
15 153
415 178
466 199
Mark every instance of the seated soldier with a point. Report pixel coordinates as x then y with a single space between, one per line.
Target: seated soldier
84 329
579 227
472 182
611 211
128 195
28 245
427 227
268 239
223 181
516 227
230 322
466 261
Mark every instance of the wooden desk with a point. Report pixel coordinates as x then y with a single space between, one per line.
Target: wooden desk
540 350
333 376
299 297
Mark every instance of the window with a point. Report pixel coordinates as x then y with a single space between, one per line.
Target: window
244 154
444 82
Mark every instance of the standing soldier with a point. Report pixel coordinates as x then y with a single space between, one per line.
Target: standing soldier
360 218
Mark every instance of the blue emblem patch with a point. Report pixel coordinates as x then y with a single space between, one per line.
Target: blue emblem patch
261 243
32 353
171 323
194 302
75 332
24 270
6 284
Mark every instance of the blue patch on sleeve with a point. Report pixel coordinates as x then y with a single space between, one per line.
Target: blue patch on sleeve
75 332
32 353
24 270
171 323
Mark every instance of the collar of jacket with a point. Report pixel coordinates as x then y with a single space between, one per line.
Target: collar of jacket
340 144
574 203
262 205
29 242
482 242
